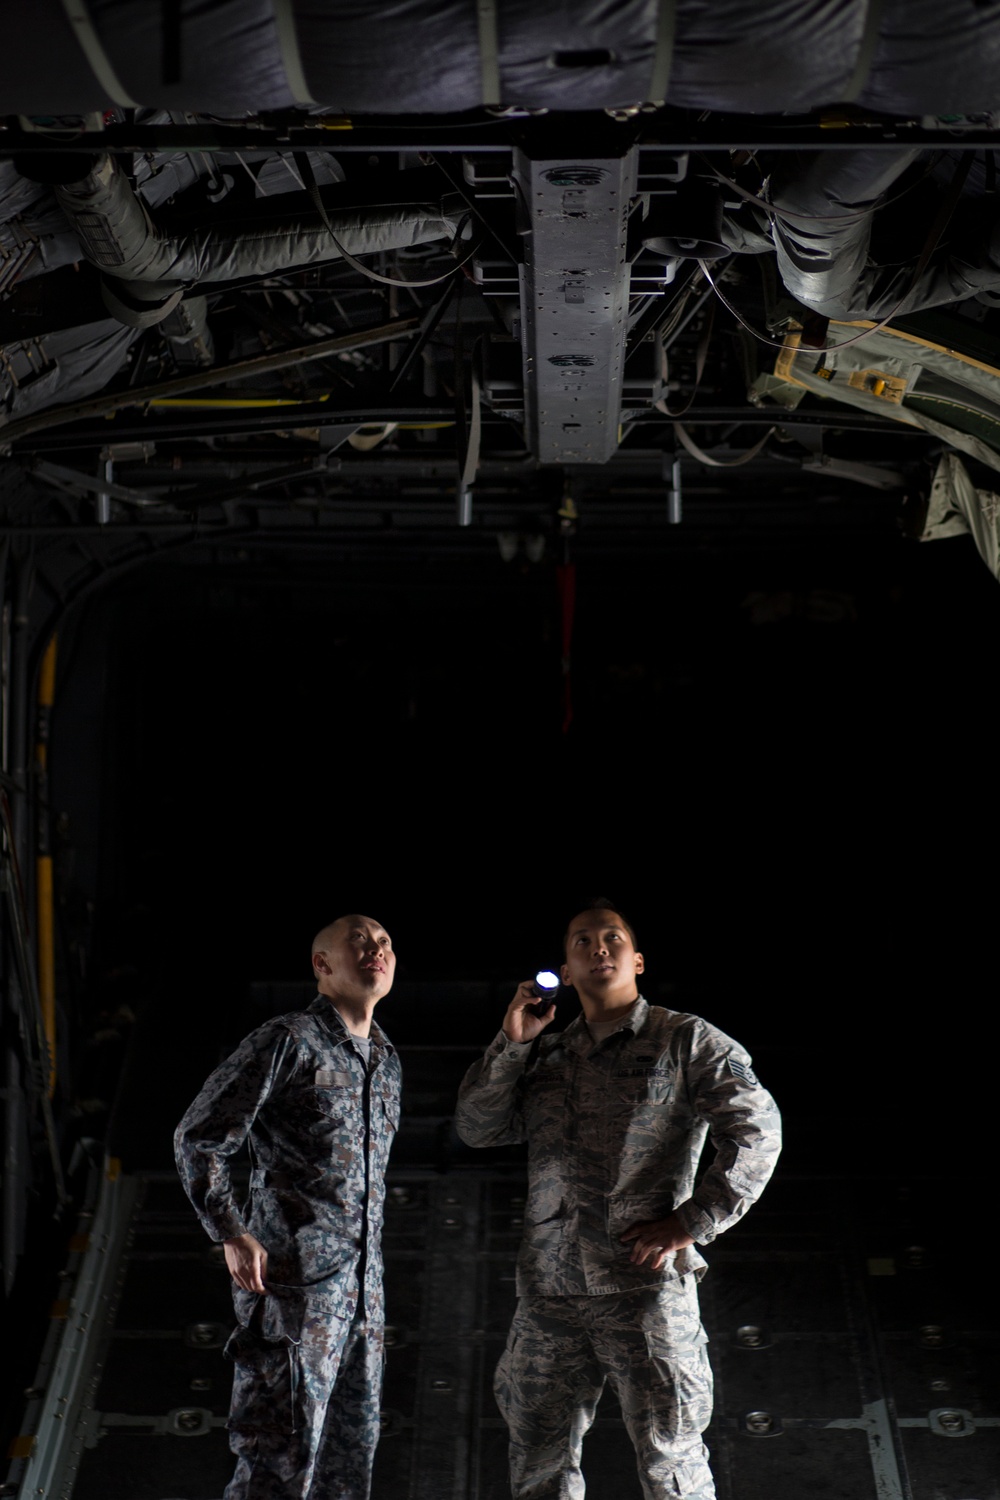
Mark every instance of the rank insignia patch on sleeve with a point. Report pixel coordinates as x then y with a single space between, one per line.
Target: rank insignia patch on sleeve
741 1070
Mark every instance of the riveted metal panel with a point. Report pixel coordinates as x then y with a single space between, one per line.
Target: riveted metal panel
574 288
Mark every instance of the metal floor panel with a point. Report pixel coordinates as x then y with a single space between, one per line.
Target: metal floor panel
135 1466
959 1468
832 1465
820 1340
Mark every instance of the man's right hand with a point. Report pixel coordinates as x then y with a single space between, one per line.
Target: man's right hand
247 1262
521 1024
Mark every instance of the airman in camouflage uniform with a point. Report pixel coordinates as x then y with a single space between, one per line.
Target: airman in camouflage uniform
315 1095
615 1110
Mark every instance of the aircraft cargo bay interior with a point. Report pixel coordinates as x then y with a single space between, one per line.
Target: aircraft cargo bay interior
528 475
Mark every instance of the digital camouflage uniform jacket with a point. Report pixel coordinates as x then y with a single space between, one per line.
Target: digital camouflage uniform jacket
319 1125
614 1133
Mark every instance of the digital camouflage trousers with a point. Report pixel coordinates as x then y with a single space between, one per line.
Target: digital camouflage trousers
651 1346
304 1419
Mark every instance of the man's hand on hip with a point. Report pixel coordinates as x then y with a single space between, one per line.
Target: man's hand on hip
655 1239
247 1262
521 1024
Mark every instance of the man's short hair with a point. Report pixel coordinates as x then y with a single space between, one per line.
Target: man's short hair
324 935
599 903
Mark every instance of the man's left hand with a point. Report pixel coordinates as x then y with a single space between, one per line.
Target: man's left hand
655 1239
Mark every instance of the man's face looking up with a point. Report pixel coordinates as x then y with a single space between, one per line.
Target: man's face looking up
354 960
601 959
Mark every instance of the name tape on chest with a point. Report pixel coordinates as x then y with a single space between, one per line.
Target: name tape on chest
643 1072
328 1078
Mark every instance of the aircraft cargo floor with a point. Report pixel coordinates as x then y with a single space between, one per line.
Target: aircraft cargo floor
852 1359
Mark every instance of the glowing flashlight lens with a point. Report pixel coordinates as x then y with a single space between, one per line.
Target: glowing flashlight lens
546 981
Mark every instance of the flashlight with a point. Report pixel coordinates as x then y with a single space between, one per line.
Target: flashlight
545 986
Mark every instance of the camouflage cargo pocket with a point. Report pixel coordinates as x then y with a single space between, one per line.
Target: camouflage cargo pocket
692 1482
264 1382
680 1386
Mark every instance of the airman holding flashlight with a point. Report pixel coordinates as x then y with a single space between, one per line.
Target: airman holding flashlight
615 1110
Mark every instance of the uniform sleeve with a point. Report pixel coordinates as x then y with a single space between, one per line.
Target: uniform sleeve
744 1127
489 1111
219 1121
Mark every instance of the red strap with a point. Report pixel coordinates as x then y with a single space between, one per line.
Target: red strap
566 584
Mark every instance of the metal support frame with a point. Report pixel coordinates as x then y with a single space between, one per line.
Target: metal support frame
28 1045
574 302
666 129
70 1357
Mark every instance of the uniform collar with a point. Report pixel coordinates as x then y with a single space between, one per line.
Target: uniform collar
329 1017
577 1035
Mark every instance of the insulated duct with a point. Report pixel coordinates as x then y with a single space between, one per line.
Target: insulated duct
187 332
234 57
147 270
822 225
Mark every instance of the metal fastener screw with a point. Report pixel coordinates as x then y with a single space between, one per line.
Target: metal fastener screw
750 1336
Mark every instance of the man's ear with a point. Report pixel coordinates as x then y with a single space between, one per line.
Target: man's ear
564 976
320 965
640 964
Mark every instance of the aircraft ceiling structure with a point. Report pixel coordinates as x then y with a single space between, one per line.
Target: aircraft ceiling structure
273 269
292 281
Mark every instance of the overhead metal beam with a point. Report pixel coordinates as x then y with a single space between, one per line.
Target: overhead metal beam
160 427
186 385
668 128
574 287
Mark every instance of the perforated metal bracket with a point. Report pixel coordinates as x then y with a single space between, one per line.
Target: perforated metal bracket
574 287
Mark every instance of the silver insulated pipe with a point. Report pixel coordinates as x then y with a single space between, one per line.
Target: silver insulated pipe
147 270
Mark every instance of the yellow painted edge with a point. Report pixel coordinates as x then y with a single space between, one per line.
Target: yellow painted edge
913 338
47 958
785 362
786 354
59 1308
78 1242
23 1446
237 403
47 676
114 1168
